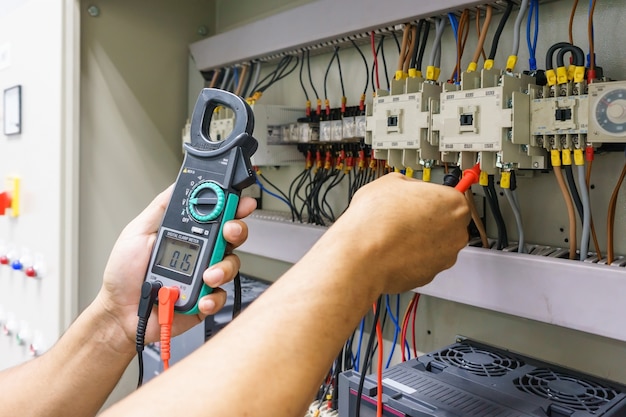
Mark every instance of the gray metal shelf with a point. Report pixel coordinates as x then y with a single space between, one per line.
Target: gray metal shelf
577 295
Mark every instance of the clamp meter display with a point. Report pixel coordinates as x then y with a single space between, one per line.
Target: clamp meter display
205 196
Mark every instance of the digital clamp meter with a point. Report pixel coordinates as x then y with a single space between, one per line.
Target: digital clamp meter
205 196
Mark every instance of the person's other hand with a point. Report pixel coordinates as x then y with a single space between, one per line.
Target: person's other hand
128 262
405 231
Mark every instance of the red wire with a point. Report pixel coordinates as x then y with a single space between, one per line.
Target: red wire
416 297
405 323
373 41
379 369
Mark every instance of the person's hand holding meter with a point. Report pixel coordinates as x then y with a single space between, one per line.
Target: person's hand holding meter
129 258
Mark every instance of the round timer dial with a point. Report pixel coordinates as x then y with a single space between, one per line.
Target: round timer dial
610 112
206 202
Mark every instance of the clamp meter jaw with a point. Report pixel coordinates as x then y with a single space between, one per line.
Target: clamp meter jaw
205 196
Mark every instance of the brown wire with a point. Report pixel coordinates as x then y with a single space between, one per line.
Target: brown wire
242 79
216 75
483 34
611 218
592 59
407 58
463 33
596 244
469 196
403 48
571 22
570 211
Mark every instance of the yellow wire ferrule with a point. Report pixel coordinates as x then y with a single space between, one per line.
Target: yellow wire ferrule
399 75
437 73
472 67
409 172
257 95
505 179
426 174
561 75
483 179
511 62
488 64
579 157
258 171
551 76
570 72
430 73
418 73
412 73
579 74
567 157
556 158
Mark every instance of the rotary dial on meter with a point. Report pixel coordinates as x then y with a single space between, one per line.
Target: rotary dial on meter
206 202
610 112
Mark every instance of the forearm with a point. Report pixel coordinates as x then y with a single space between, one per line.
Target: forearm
75 377
273 357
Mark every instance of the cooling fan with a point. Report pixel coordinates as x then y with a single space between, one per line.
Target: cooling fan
478 361
570 391
470 379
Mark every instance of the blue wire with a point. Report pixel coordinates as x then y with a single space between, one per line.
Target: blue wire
272 194
455 27
532 44
395 323
235 78
357 359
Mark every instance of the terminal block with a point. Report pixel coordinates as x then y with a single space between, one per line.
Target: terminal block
398 128
274 129
559 116
489 115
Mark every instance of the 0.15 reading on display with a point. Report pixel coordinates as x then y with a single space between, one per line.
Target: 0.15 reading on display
177 255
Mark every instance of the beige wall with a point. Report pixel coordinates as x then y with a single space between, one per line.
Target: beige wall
232 14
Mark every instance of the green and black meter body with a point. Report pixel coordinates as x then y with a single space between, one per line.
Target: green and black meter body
205 196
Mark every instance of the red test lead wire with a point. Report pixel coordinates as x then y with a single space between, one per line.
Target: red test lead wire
167 299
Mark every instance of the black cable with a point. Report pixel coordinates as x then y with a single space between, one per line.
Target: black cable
343 90
573 190
550 54
271 184
237 294
492 200
420 56
382 54
395 38
140 358
367 70
306 94
149 294
368 353
308 64
327 71
578 54
416 43
496 36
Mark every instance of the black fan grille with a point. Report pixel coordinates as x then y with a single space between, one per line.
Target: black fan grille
478 361
575 393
